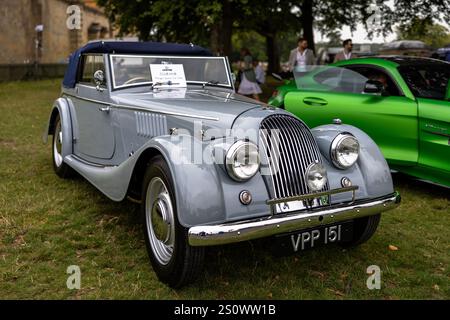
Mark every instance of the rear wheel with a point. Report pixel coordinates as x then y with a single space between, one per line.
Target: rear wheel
175 262
363 230
59 166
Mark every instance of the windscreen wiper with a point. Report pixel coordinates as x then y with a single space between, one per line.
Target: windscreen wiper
210 82
167 83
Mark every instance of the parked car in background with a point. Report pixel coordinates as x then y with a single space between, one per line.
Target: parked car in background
403 103
443 53
406 48
161 124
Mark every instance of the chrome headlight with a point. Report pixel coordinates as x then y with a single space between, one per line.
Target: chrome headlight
316 176
344 150
242 160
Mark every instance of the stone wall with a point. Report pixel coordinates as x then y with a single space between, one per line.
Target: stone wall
18 19
18 36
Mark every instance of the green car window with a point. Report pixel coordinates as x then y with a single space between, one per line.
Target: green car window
428 80
379 74
335 79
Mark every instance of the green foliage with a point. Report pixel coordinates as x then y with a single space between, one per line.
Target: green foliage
404 11
334 38
251 40
434 35
219 24
174 21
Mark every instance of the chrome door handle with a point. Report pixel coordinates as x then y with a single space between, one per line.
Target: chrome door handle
106 109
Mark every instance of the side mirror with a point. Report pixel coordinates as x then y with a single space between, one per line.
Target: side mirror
99 79
373 87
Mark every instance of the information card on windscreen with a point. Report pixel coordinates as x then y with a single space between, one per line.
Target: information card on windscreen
168 75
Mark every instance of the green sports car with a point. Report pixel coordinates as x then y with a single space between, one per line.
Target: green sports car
403 103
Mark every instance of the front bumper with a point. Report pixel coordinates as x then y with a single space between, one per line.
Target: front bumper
209 235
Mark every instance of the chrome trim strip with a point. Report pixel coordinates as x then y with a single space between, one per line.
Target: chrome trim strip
209 235
263 138
119 106
300 156
291 186
313 195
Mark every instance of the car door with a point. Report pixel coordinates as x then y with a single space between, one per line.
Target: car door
390 120
430 83
434 124
95 140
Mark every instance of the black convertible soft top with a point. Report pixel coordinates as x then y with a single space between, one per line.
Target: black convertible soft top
128 47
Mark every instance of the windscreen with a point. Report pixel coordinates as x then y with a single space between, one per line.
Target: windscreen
137 70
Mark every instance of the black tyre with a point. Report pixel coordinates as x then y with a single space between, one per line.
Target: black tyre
174 261
363 230
59 166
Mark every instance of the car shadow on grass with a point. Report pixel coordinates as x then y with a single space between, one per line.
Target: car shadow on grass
418 186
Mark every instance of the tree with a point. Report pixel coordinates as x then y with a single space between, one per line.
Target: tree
175 20
334 38
434 35
212 23
268 18
403 12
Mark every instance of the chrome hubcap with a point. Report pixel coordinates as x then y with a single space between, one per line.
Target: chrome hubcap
57 145
160 220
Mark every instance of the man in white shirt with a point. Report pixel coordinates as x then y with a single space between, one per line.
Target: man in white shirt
301 57
347 53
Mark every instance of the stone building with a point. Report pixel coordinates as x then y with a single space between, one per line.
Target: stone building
47 31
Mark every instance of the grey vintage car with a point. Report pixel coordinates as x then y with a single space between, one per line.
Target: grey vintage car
161 124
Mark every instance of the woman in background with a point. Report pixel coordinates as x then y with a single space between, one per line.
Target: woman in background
248 85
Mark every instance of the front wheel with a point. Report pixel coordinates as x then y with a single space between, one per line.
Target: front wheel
59 166
363 229
175 262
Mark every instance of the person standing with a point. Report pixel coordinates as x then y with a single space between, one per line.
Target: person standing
259 72
301 57
248 85
347 52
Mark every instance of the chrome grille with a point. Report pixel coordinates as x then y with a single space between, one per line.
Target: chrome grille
289 149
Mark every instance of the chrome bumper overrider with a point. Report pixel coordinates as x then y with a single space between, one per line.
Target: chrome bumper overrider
209 235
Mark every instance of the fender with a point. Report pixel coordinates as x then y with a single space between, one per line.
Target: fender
374 170
204 192
62 107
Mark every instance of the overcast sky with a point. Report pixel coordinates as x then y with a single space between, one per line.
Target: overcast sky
360 35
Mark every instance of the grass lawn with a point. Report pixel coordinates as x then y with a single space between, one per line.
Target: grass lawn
48 224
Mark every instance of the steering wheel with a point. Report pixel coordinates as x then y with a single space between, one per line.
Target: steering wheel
135 79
